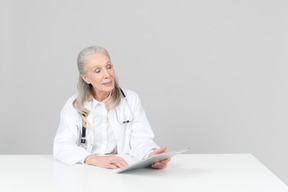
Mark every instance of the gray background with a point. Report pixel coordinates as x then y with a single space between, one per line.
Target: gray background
211 74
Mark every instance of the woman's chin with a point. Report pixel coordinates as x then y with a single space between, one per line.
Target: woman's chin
108 88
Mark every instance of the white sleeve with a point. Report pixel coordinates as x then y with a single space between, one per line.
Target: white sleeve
65 147
142 135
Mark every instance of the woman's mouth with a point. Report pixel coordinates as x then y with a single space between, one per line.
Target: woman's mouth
109 83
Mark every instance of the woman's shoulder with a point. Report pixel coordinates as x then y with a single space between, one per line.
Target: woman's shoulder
132 97
68 106
130 93
71 99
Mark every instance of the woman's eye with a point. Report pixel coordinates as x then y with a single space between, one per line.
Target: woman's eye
97 71
109 67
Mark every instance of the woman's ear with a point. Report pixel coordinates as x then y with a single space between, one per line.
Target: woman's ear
85 78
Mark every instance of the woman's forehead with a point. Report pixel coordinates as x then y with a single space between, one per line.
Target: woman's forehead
97 59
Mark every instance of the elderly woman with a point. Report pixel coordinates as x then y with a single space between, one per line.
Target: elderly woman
103 122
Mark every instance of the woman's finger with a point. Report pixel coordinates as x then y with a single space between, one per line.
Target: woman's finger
121 164
155 165
118 161
165 160
161 150
112 166
159 166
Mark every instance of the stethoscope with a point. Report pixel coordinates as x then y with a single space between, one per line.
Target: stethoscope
83 132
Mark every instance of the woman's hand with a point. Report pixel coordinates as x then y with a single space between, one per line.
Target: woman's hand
109 162
161 164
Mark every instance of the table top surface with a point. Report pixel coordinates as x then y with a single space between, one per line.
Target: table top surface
185 172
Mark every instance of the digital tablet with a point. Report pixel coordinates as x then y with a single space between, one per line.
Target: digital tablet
153 159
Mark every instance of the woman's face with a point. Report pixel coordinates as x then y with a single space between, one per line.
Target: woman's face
100 74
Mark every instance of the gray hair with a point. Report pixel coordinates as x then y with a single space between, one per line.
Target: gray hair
85 91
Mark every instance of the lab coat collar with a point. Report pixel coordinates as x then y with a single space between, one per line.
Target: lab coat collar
95 102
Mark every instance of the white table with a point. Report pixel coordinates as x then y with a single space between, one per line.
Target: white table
186 172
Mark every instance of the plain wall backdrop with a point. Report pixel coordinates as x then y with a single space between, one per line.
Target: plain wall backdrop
210 74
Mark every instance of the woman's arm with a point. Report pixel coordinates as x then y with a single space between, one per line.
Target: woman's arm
65 147
142 135
141 140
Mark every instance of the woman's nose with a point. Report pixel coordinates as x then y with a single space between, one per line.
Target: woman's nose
106 74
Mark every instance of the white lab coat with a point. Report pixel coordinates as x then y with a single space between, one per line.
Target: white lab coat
134 139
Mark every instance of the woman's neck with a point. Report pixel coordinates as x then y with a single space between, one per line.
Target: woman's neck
101 96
